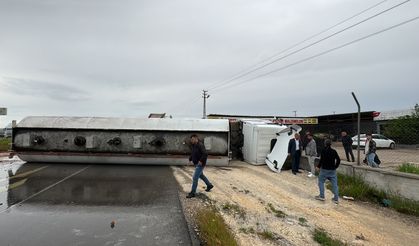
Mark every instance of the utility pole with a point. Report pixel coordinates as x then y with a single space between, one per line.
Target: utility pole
205 96
359 128
295 113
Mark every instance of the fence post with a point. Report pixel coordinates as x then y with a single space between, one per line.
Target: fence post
359 129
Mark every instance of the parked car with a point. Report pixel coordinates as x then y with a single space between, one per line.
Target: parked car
7 132
381 141
321 135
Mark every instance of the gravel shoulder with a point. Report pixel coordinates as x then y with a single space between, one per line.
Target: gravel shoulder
255 190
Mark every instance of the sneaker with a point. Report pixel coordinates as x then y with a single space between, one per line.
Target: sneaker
310 175
335 201
319 198
294 173
299 171
190 195
209 187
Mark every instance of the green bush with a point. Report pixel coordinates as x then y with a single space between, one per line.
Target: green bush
405 129
5 144
409 168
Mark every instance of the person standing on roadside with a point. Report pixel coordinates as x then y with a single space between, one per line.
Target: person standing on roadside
294 150
305 139
370 149
329 162
199 159
311 153
347 145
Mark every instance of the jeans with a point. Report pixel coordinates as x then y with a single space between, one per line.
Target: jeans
330 175
370 160
296 161
198 174
348 151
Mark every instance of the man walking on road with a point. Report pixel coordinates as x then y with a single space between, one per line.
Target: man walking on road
329 162
311 153
199 159
294 150
347 145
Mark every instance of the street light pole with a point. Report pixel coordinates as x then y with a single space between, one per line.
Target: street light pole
359 129
205 96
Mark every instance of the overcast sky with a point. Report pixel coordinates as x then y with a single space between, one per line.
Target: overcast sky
131 58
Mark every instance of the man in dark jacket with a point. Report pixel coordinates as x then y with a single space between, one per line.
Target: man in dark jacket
199 159
347 145
294 150
329 162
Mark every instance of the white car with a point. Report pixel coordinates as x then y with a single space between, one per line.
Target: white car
380 140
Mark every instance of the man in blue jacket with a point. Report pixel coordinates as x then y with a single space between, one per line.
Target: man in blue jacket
199 159
294 150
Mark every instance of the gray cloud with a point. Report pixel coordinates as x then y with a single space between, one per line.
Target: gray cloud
43 89
110 58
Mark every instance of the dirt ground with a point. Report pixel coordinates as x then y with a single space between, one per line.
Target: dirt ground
253 188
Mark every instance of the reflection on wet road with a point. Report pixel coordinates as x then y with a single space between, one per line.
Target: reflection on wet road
59 204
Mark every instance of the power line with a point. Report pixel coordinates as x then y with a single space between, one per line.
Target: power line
224 84
326 52
311 44
295 45
183 103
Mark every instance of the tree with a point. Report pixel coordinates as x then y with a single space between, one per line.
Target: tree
405 129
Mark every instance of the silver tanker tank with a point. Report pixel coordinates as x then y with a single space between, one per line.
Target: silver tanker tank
118 140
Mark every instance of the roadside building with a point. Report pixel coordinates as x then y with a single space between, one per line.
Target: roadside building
385 116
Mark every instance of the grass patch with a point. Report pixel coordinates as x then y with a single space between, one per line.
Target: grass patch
302 221
267 235
278 213
249 230
213 228
5 144
358 189
235 209
408 168
323 238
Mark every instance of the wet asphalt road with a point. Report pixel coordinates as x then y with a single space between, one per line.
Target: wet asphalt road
57 204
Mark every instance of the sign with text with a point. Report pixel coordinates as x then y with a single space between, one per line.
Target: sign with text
297 121
3 111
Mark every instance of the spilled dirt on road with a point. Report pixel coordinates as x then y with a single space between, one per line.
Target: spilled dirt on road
265 208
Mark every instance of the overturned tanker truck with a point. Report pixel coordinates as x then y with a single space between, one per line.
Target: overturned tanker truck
118 140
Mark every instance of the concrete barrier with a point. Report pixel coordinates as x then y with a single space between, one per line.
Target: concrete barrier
402 184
